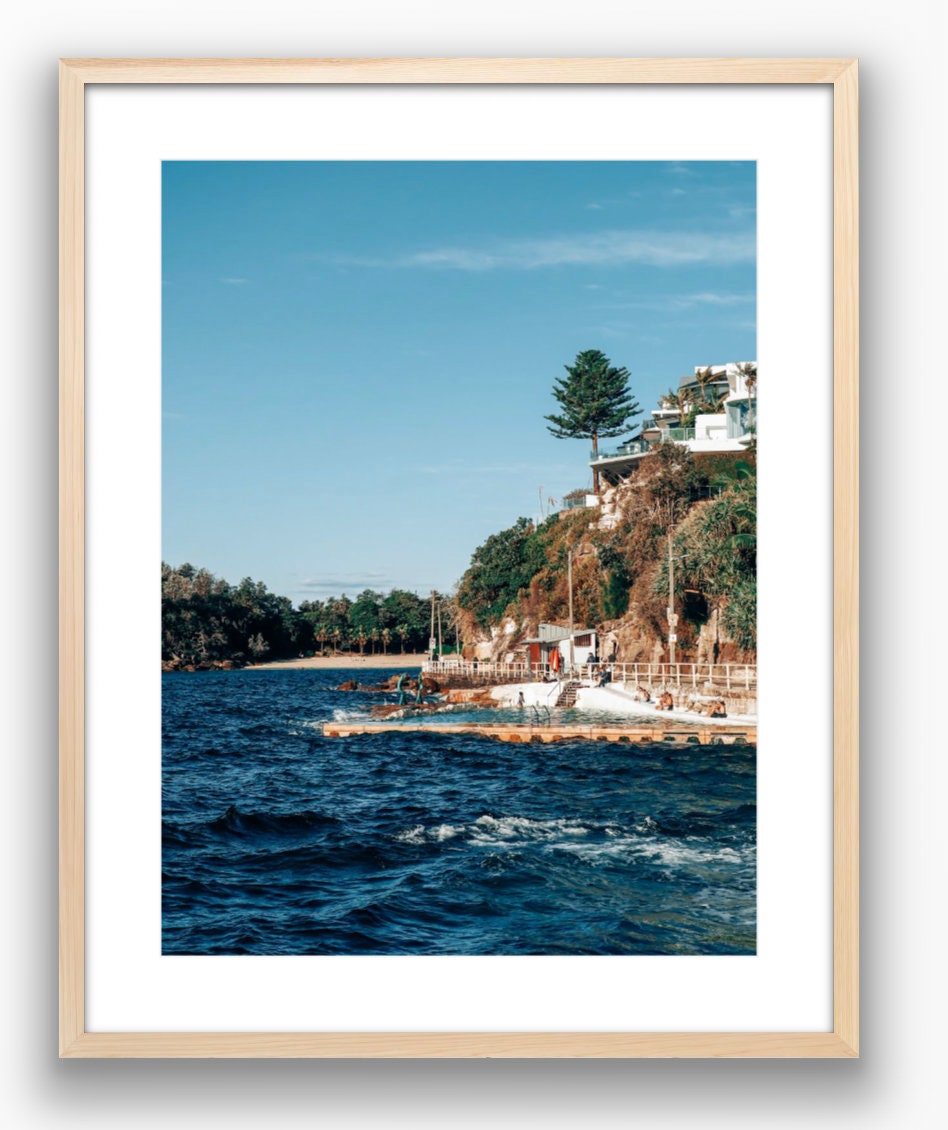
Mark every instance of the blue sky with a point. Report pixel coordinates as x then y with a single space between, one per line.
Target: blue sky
358 356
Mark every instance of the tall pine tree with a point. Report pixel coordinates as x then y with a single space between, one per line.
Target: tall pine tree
596 401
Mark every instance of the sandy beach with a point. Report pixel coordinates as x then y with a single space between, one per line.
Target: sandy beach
342 662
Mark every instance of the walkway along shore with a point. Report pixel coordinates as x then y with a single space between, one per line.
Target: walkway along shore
512 732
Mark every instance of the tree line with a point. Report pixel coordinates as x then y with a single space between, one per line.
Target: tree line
206 621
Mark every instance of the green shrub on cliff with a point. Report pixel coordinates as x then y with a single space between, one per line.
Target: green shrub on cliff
622 571
499 569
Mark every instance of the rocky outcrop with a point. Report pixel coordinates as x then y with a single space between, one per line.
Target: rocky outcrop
609 508
430 686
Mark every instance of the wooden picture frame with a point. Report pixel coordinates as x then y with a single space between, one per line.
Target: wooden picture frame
842 1040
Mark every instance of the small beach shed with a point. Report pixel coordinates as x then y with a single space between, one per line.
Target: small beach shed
552 638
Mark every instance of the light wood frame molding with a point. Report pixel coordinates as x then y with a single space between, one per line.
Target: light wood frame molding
842 1041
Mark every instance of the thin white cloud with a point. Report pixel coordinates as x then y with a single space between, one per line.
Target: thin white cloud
608 248
594 207
708 298
343 581
352 585
683 301
234 282
475 469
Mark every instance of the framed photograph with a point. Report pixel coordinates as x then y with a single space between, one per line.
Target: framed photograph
498 694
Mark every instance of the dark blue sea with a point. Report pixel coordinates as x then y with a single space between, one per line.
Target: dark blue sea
277 840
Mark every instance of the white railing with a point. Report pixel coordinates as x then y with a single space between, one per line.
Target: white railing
469 668
729 676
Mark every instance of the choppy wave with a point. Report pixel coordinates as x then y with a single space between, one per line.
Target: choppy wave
278 840
280 823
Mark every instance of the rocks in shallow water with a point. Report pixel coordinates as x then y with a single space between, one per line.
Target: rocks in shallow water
385 709
409 686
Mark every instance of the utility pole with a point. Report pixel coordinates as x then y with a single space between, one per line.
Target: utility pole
569 577
431 635
672 618
440 644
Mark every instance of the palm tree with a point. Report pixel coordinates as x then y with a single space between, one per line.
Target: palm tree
740 510
677 400
719 549
712 402
748 370
704 377
683 402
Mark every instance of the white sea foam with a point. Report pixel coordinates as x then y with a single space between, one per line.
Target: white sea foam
444 832
500 832
438 833
671 853
493 829
414 835
344 716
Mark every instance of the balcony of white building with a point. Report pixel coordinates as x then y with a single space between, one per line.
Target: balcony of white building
729 430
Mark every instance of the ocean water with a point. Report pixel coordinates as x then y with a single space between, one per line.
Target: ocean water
277 840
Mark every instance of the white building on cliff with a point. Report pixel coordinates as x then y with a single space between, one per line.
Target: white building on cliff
730 393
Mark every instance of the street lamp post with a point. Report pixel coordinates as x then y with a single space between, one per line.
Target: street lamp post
670 611
569 577
432 642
